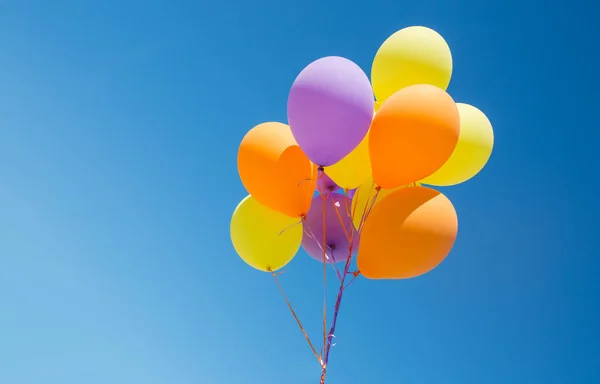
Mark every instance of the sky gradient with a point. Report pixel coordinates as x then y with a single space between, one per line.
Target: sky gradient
119 128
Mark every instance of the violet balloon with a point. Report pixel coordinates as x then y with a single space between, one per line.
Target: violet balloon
336 241
330 109
351 193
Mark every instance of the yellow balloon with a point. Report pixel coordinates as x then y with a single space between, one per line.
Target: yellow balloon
413 55
474 148
364 196
264 238
354 169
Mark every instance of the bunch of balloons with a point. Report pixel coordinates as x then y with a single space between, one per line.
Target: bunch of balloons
350 172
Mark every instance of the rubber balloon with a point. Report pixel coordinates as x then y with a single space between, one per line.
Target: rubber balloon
330 108
335 235
265 239
275 171
474 148
363 199
354 169
408 233
413 134
413 55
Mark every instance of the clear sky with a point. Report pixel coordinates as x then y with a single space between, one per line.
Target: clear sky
119 127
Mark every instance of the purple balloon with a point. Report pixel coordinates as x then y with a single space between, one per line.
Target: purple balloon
351 193
330 109
336 242
324 183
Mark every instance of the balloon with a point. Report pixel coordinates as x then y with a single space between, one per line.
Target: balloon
413 55
275 171
336 231
354 169
413 134
363 198
350 193
325 184
265 239
408 233
330 108
474 148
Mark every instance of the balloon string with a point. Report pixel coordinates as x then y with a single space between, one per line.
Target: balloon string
334 264
312 235
296 317
355 206
342 223
336 311
346 206
323 214
338 302
289 227
355 274
335 268
368 209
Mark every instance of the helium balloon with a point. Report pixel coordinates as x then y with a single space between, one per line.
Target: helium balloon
413 134
413 55
363 199
474 148
408 233
330 108
275 171
354 169
325 183
265 239
334 235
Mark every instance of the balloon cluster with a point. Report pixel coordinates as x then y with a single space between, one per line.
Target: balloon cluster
347 172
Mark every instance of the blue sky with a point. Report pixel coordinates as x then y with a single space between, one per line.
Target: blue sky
119 127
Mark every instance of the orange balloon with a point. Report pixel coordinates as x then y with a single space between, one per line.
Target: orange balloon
412 135
408 233
275 171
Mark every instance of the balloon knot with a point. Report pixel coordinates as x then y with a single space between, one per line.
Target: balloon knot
378 188
356 273
321 168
